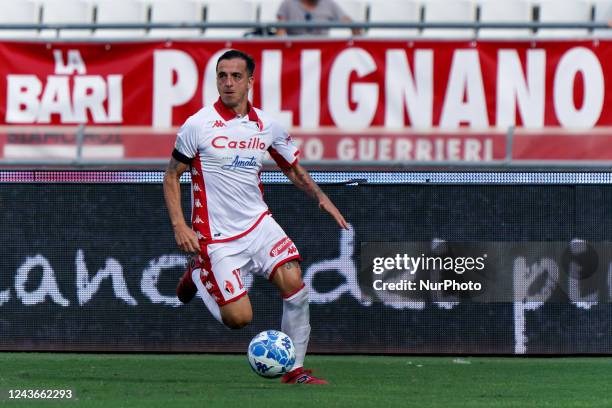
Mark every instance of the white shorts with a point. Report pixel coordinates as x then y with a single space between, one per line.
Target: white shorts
259 252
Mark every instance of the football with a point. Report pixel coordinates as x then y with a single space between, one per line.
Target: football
271 354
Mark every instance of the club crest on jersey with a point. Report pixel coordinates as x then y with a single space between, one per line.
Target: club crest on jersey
229 288
281 246
224 142
241 163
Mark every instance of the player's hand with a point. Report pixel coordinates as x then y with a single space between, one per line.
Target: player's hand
186 239
326 205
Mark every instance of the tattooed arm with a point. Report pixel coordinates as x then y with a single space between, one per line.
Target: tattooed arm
185 237
300 177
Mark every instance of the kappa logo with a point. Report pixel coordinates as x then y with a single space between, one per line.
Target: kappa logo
218 124
198 220
197 203
208 285
196 187
292 250
229 288
204 273
199 235
281 246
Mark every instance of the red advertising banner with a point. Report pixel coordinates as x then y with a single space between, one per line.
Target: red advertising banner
326 145
382 147
307 84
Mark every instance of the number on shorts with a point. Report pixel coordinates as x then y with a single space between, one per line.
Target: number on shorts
236 273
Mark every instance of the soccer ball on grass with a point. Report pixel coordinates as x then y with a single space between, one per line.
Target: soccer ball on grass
271 354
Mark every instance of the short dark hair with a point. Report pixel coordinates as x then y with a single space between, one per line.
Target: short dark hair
233 54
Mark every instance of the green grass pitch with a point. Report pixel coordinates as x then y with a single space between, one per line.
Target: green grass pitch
173 381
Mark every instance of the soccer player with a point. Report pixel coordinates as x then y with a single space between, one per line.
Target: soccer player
232 232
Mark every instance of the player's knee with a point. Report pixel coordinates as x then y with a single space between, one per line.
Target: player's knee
295 284
238 320
288 278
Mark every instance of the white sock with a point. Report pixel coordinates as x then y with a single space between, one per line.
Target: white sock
210 303
296 323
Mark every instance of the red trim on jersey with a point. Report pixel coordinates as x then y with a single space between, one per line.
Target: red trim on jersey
280 160
200 195
228 114
282 262
242 234
225 112
253 116
295 292
296 155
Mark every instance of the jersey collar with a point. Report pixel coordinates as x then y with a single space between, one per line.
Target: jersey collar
228 114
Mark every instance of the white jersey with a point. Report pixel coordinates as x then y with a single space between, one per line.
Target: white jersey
226 153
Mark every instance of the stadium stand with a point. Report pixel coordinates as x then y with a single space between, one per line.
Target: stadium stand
267 10
66 11
440 11
356 10
602 13
184 11
257 11
120 11
517 11
19 12
229 11
563 12
382 11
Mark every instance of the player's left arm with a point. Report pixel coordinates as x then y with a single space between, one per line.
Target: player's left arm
302 180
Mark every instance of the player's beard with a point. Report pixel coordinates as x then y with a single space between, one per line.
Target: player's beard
233 101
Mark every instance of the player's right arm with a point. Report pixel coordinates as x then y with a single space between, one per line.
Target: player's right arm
185 237
285 154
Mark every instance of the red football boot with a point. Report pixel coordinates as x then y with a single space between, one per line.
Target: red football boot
301 376
186 289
